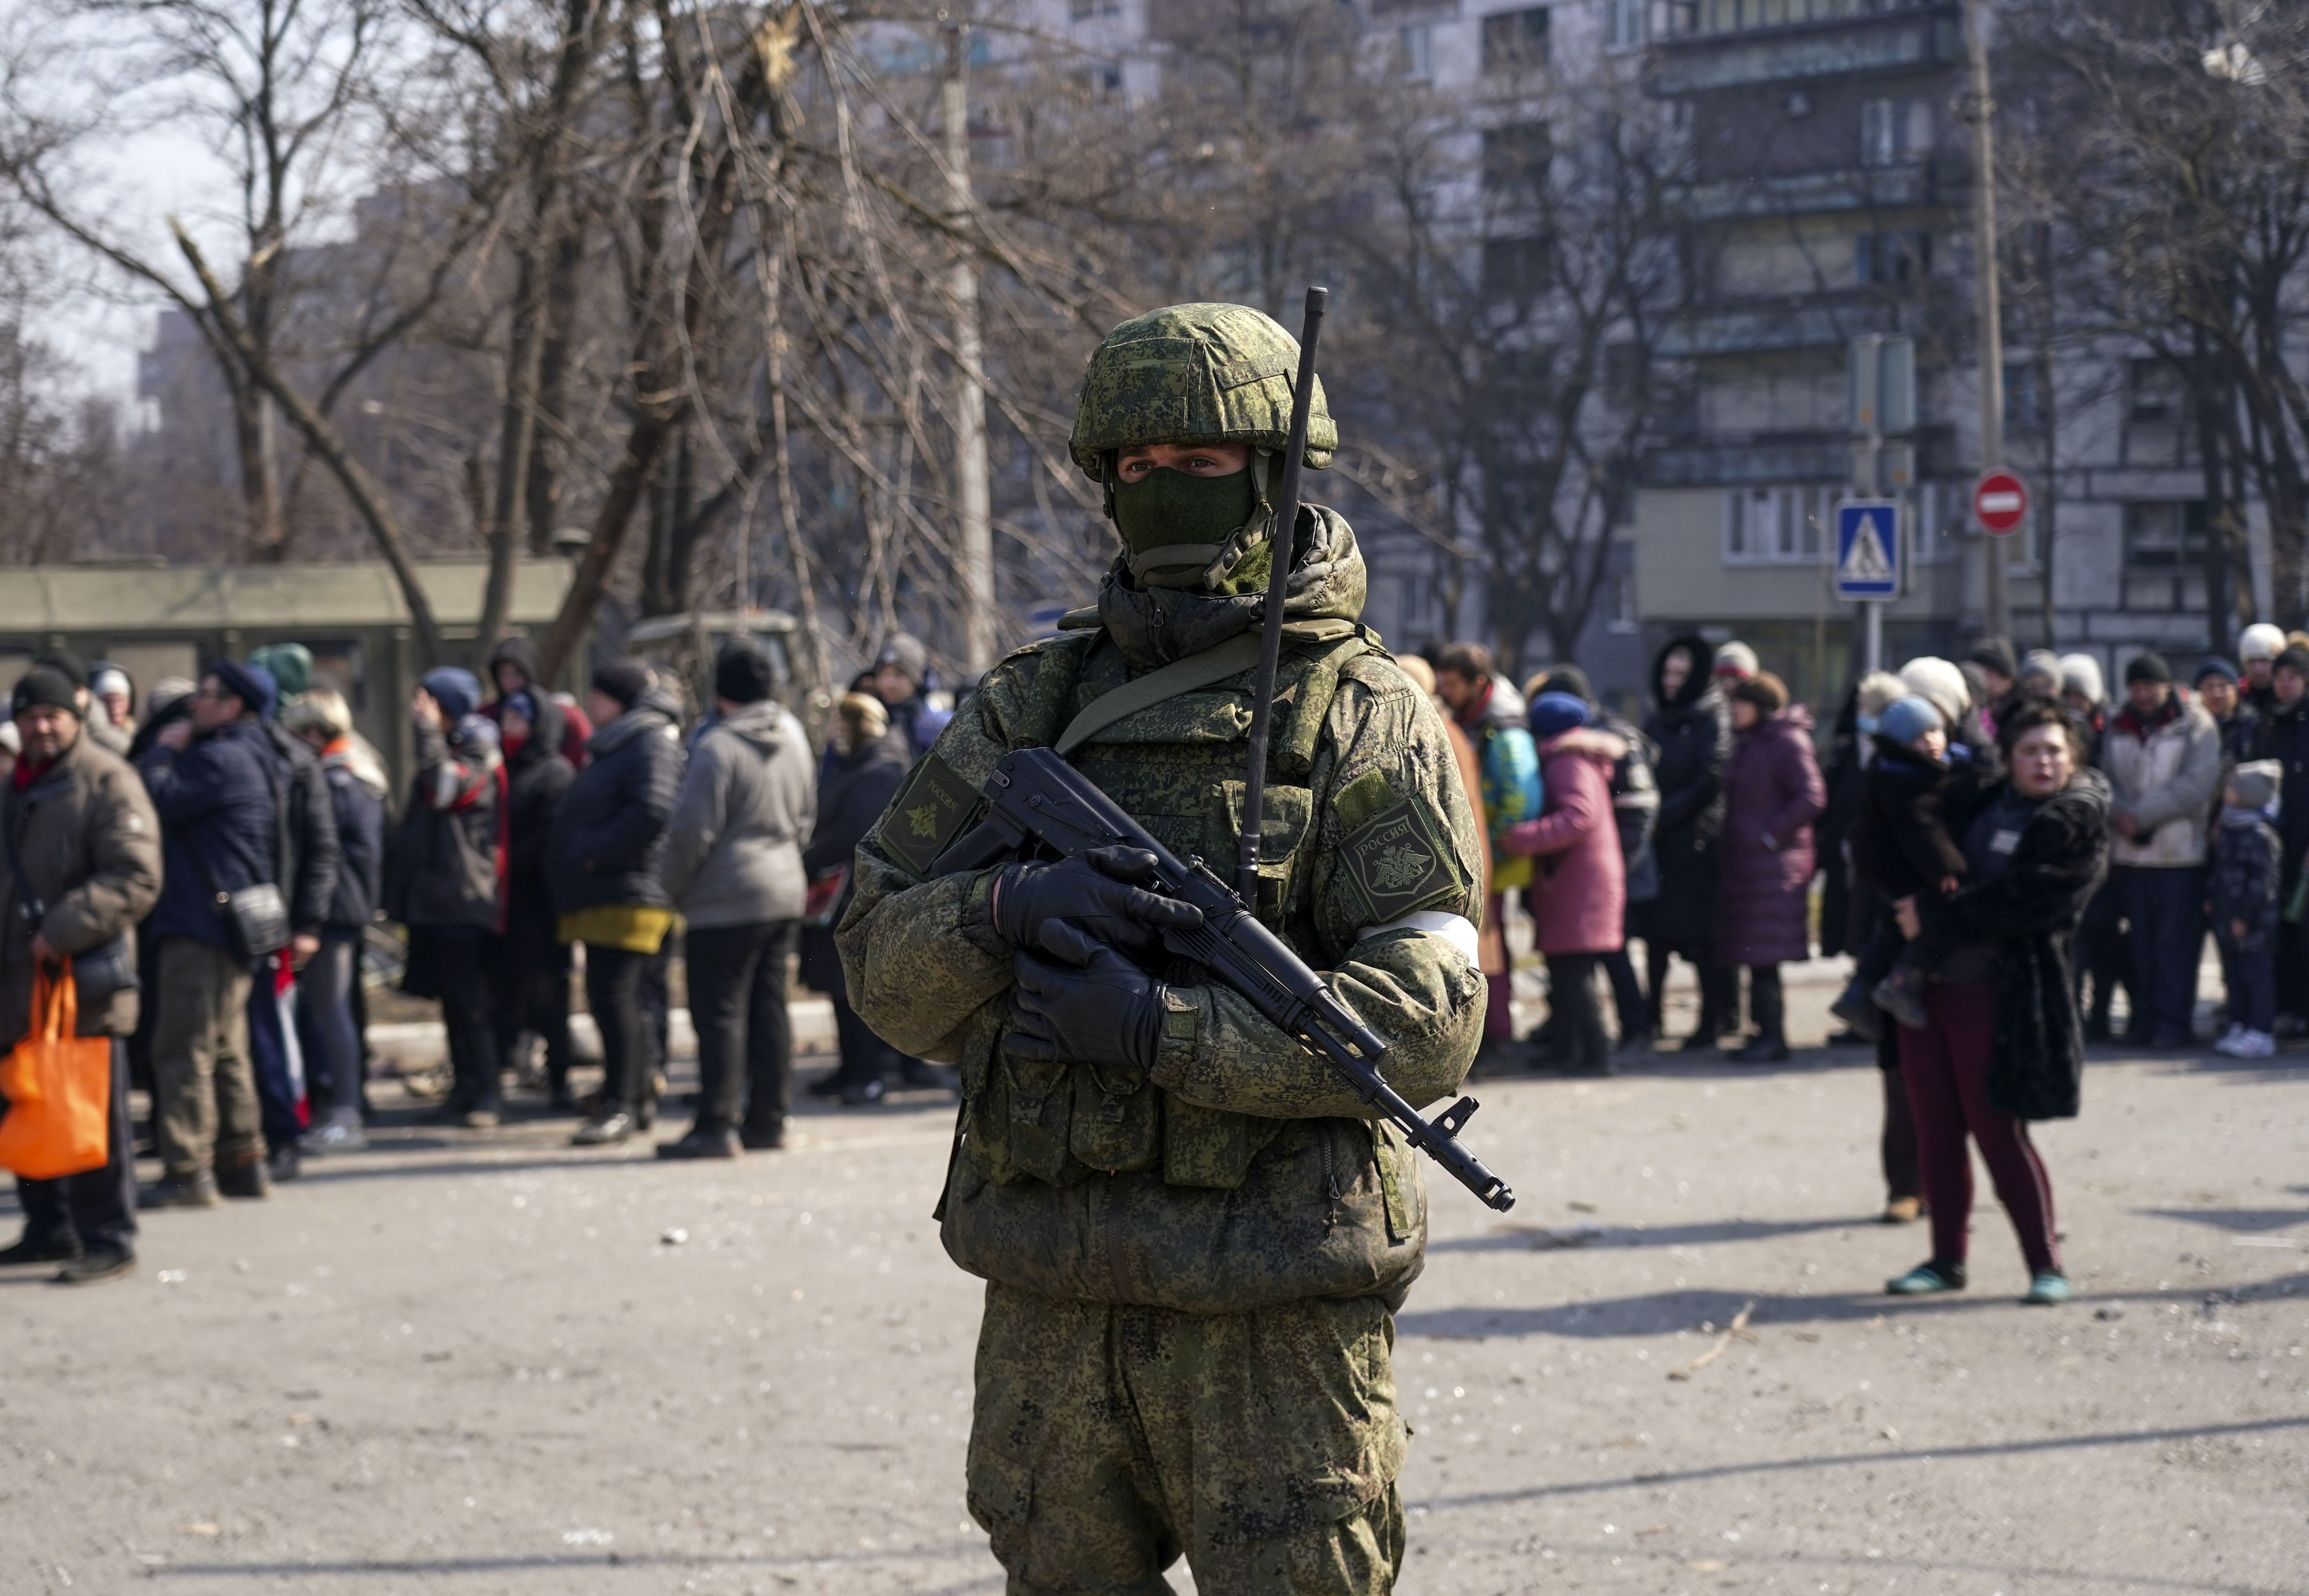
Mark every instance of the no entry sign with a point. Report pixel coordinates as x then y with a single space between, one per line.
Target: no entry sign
2000 500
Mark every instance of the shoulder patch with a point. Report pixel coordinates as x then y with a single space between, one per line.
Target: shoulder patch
930 812
1398 865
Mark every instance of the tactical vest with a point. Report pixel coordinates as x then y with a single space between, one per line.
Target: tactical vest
1177 769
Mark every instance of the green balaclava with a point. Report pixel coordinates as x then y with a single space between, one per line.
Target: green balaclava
1176 526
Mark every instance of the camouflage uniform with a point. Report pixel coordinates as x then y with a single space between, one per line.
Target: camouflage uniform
1192 1276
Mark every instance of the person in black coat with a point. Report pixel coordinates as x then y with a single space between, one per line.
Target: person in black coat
2284 736
866 759
2004 1043
605 857
528 965
1690 728
327 1027
314 865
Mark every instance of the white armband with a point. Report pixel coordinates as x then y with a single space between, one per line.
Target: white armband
1453 928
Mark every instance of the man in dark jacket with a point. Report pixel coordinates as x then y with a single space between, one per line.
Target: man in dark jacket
1688 725
513 668
217 789
528 966
733 867
311 885
606 858
327 1026
2285 737
82 852
449 883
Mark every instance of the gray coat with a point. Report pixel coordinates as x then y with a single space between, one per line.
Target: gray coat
748 798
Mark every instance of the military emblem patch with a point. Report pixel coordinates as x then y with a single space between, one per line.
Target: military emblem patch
930 812
1397 864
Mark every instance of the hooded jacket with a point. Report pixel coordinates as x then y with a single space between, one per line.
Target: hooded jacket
1773 793
608 834
89 844
1694 739
574 727
1578 894
747 798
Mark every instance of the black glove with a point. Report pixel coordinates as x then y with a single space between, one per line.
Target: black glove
1094 892
1089 1006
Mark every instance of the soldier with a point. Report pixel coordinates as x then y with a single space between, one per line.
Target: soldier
1193 1238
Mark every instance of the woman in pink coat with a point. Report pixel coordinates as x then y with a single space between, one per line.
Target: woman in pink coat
1579 890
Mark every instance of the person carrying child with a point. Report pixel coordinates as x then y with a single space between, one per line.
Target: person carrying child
2240 902
1901 848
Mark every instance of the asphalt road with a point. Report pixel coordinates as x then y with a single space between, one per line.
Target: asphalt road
478 1363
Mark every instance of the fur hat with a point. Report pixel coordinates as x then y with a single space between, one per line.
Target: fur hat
1877 691
1939 682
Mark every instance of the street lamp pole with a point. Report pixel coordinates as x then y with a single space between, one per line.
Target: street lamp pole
1995 603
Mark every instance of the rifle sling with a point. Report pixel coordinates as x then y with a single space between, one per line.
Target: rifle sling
1236 655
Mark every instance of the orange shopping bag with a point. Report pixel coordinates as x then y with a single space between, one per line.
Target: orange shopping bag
58 1088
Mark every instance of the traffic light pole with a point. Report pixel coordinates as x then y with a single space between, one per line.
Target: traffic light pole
1996 604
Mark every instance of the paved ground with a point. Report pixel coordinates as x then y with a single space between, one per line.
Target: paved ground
476 1364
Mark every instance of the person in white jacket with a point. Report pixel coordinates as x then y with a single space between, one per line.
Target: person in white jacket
2163 760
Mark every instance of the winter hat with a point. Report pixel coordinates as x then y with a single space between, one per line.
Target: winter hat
323 711
458 691
521 702
1736 659
2081 675
1563 679
2256 781
1877 691
67 664
2261 641
1941 683
908 655
2215 666
742 674
44 686
1554 713
2042 664
2294 659
1905 719
1995 653
625 680
291 663
167 691
252 685
2148 666
1765 691
104 678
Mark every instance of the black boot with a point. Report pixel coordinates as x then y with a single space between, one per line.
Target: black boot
41 1249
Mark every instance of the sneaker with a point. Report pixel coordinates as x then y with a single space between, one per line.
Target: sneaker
859 1094
2256 1044
1927 1279
1901 997
2048 1289
98 1264
1858 1014
2221 1044
610 1128
1761 1049
196 1190
282 1163
828 1084
335 1135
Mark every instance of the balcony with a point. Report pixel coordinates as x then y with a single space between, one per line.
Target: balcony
1767 459
1942 180
1695 63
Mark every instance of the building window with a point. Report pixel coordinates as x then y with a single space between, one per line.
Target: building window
1415 50
2028 406
2157 393
1623 23
1891 257
1895 132
1514 270
1515 41
1104 80
1082 10
2164 534
1778 526
1516 159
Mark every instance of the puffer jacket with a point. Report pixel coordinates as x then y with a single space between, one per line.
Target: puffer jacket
2165 771
2243 883
215 800
609 835
1578 894
89 843
449 868
1773 793
356 794
747 798
1513 788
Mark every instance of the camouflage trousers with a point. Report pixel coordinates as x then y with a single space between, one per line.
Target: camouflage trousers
1109 1439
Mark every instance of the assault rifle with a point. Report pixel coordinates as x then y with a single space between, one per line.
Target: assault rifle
1039 805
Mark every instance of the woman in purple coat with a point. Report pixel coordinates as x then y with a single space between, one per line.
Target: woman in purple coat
1773 791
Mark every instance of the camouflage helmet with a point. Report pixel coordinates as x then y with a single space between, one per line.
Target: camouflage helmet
1194 373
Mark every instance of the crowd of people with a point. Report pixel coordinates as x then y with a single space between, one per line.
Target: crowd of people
211 866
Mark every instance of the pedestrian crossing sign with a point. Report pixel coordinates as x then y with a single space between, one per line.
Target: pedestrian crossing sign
1868 549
